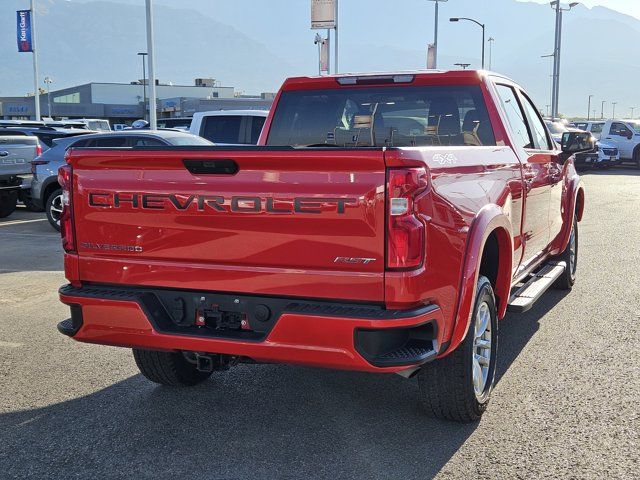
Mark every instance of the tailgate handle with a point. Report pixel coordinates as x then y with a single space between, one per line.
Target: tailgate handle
211 167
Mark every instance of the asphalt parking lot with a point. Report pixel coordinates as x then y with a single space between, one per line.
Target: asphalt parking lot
565 404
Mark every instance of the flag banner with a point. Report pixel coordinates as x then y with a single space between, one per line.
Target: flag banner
24 31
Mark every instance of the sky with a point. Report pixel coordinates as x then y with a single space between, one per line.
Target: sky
630 7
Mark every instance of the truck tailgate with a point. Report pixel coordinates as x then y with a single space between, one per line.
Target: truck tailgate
307 223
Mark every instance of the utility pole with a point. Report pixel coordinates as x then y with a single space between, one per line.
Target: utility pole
435 33
589 108
335 40
632 109
613 112
556 52
153 119
602 110
490 42
36 75
144 86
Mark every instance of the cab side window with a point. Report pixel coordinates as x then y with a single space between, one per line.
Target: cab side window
515 116
620 129
538 130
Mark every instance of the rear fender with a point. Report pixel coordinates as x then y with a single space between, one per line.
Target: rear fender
490 219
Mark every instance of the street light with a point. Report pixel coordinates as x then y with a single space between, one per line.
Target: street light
457 19
589 108
48 80
551 55
490 42
144 85
613 112
463 65
556 53
602 110
435 33
632 109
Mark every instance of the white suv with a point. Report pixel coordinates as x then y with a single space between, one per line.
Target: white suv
229 127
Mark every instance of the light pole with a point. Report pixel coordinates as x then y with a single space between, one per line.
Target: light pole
556 53
153 120
589 108
490 42
632 109
481 25
144 85
550 56
48 80
613 111
547 107
602 110
435 33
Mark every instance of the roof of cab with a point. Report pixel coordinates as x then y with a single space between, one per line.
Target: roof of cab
418 77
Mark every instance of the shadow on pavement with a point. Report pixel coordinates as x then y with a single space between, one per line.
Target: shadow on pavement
626 170
265 421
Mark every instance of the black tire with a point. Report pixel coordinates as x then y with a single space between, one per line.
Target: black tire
636 157
168 368
54 203
8 203
446 386
568 278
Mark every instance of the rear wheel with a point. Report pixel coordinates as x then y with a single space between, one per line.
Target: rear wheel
168 368
457 387
54 208
8 203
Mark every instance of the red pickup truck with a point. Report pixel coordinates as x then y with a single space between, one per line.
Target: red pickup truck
384 223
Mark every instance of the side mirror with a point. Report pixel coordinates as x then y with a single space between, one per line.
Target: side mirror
577 142
629 135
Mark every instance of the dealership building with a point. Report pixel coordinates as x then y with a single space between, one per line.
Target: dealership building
125 102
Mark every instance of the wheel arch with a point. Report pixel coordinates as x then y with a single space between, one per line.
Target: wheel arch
489 252
49 186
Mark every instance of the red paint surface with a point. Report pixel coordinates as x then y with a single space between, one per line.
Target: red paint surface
483 191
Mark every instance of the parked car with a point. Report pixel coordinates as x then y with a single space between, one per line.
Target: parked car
97 124
45 189
384 224
46 134
604 155
229 127
16 155
180 123
625 136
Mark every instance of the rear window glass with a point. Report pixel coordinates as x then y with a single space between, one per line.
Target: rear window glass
382 116
223 129
256 127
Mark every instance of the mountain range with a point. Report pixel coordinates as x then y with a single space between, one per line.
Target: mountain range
254 44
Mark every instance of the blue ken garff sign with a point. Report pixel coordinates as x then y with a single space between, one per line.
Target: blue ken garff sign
24 31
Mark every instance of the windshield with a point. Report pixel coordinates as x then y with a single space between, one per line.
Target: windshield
382 116
556 128
635 126
188 140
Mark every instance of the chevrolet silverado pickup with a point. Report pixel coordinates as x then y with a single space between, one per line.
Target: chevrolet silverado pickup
383 223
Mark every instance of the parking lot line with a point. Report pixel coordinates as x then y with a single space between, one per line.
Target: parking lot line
10 344
19 222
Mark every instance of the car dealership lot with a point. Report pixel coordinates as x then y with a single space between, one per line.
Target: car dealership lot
565 403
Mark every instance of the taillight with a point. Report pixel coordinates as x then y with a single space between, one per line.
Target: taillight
405 230
35 163
38 150
65 179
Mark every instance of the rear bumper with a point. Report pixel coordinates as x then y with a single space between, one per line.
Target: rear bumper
321 334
